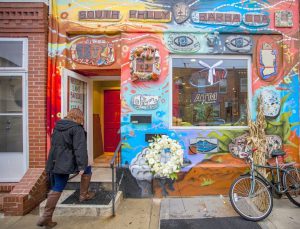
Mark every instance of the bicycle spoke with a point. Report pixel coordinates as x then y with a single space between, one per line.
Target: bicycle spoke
255 205
292 184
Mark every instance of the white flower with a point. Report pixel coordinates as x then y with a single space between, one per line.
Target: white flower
164 163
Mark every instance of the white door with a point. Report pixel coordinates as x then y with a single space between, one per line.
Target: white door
77 92
13 127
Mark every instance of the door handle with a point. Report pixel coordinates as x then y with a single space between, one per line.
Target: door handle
8 125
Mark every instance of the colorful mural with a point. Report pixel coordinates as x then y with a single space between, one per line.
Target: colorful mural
142 38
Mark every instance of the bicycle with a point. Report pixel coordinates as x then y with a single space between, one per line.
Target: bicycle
250 194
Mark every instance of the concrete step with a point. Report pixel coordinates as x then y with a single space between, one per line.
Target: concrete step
102 211
101 178
99 175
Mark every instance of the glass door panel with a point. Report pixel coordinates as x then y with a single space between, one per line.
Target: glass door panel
12 143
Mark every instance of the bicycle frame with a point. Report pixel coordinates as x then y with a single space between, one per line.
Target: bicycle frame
276 186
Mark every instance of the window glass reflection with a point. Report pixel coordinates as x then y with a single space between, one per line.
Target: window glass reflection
209 92
10 94
11 134
11 53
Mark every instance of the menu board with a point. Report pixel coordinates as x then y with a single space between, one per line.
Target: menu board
76 94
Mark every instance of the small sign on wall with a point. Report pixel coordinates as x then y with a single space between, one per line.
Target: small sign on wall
145 102
204 98
150 15
76 94
93 51
203 145
102 15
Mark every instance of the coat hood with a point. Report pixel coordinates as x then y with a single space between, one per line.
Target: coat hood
64 124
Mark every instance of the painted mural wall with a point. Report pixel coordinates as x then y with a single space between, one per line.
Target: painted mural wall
189 69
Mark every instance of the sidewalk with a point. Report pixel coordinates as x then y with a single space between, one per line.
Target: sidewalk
146 214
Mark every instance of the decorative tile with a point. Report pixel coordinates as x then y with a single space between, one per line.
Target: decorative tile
181 12
203 145
284 18
145 63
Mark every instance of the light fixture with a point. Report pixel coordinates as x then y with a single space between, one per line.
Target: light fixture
193 60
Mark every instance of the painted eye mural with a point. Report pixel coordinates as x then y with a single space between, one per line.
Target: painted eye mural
240 44
183 41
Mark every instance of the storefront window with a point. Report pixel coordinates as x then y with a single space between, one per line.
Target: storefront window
210 91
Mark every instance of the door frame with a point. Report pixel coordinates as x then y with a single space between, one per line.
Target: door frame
89 105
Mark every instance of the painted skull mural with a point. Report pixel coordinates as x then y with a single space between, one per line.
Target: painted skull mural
189 70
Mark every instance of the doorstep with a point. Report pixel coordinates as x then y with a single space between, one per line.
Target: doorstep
102 211
100 176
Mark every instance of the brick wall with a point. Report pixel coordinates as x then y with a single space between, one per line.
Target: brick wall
37 84
27 194
30 20
7 187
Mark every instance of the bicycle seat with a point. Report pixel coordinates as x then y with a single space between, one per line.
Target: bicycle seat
277 152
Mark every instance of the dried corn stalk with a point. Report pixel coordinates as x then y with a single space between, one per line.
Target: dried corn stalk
257 137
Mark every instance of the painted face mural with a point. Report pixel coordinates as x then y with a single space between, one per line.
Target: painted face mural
190 70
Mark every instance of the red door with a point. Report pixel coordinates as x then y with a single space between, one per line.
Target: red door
112 109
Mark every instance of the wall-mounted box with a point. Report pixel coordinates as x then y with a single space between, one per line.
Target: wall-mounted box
149 137
138 119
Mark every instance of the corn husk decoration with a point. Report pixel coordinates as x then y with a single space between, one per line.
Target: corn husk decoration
257 136
257 139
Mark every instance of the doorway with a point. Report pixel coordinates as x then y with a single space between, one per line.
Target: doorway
99 98
106 112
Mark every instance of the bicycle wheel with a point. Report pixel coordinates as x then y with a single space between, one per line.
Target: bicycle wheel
291 181
253 206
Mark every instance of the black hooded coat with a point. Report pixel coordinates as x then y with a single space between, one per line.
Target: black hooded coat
68 152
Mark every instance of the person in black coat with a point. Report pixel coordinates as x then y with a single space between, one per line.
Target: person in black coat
68 155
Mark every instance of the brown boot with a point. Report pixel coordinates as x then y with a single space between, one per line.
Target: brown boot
46 219
84 188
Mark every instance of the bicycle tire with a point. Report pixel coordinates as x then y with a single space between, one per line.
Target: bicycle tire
234 198
291 182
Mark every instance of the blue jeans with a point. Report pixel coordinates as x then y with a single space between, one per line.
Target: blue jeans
60 180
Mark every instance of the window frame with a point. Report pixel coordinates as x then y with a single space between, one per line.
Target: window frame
24 67
223 92
241 79
218 57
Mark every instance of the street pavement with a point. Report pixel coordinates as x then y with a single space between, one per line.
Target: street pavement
146 214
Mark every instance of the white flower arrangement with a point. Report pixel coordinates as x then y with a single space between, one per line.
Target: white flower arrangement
165 157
